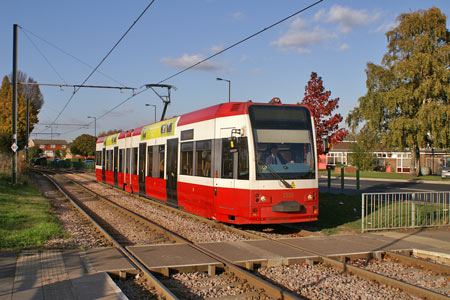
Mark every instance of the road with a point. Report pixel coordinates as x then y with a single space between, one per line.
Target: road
380 186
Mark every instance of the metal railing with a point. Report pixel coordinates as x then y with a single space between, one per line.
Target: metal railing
380 211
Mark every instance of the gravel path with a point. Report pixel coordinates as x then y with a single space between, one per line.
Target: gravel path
79 232
189 228
409 274
127 230
322 282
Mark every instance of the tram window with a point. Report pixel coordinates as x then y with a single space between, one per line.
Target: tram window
110 160
161 151
127 161
187 153
106 160
134 160
203 158
98 158
227 159
243 158
149 161
121 163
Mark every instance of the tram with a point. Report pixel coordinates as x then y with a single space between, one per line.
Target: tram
238 162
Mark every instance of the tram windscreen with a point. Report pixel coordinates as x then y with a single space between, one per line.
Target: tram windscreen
283 140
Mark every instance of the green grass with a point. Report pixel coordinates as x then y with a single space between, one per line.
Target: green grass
26 217
384 175
339 213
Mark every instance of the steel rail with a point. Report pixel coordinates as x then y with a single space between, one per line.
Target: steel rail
337 264
438 268
147 274
269 288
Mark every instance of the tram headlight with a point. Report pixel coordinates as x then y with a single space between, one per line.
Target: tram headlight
263 198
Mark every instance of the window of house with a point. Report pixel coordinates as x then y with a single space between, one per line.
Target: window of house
187 153
203 158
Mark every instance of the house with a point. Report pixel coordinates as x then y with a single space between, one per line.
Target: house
388 160
49 147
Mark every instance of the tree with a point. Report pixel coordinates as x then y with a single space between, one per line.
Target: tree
109 132
362 150
319 102
24 92
34 152
407 99
83 145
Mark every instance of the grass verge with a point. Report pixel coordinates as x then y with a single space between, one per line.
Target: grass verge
26 218
384 175
339 213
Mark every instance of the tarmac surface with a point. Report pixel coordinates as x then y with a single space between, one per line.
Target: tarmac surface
77 274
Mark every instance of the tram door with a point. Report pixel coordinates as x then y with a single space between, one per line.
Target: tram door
103 164
142 152
171 163
116 156
224 184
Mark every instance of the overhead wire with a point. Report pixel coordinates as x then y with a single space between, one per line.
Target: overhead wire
241 41
218 53
71 55
103 60
45 58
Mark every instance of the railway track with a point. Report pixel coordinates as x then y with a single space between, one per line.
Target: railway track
343 264
247 285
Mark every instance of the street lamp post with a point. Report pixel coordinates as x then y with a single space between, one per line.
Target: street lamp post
229 87
154 106
95 124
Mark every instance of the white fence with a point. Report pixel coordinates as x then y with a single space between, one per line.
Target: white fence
381 211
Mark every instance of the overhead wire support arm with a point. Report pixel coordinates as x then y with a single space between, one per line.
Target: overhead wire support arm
80 86
165 99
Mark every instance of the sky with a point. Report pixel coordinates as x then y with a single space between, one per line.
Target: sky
60 42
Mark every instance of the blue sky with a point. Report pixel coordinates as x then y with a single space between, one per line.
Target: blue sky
336 39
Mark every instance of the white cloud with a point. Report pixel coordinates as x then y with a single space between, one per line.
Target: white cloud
347 18
387 27
238 15
216 48
121 113
299 24
186 61
344 47
300 39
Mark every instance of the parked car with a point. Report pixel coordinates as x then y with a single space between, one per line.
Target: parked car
40 161
445 171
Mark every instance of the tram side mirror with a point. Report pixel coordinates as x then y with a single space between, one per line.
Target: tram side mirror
326 145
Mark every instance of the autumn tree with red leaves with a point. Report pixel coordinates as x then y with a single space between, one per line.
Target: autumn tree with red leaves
321 106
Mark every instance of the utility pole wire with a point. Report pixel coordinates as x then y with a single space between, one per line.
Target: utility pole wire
42 54
68 54
241 41
104 58
220 52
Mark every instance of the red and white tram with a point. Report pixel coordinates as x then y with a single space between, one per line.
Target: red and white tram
241 163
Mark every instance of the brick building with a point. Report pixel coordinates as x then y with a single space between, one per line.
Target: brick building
49 147
393 161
